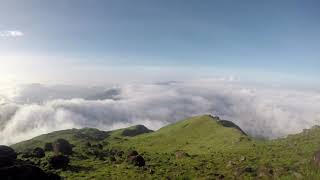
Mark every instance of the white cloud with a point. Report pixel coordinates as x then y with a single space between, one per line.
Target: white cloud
11 33
260 111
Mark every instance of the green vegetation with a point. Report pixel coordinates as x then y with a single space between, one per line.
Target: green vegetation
201 147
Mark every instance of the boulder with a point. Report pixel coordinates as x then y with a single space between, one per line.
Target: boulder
137 160
59 161
230 124
7 156
38 152
62 146
24 171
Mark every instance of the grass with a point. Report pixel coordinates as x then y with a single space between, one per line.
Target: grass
214 152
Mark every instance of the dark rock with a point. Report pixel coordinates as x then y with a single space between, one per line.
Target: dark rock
230 124
7 156
38 152
59 161
62 146
137 160
48 147
23 171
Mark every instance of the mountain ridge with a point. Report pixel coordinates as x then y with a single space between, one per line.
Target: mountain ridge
200 147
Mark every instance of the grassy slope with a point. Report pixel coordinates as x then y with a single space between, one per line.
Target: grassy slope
197 135
215 150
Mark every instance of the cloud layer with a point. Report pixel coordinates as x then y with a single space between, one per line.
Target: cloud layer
260 111
11 33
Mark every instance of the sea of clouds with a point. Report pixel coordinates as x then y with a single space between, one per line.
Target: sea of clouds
261 111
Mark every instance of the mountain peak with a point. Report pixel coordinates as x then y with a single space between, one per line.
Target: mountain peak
135 130
224 123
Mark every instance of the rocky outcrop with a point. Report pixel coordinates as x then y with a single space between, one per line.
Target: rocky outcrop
59 161
230 124
136 159
13 169
62 146
25 171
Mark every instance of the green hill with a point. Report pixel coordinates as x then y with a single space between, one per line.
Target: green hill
202 147
197 135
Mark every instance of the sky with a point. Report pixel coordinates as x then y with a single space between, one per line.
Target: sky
94 42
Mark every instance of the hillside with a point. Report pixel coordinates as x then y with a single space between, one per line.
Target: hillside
197 135
202 147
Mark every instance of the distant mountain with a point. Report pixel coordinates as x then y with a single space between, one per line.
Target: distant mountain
202 147
107 94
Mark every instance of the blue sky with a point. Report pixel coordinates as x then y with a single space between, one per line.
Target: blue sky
254 39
